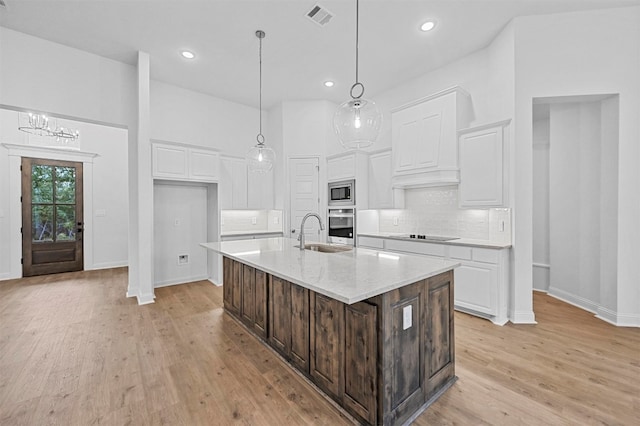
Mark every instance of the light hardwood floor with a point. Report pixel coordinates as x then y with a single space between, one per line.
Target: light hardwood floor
75 351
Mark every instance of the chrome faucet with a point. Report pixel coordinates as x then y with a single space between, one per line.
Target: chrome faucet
304 219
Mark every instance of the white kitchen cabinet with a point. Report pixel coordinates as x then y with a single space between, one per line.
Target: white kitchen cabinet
483 165
170 161
341 167
232 191
351 165
204 165
425 139
481 280
381 192
260 190
181 162
437 251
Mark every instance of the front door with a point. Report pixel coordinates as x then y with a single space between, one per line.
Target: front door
51 216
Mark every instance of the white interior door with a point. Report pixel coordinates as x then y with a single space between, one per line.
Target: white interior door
304 179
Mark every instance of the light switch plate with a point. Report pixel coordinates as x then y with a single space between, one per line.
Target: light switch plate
395 221
407 317
254 220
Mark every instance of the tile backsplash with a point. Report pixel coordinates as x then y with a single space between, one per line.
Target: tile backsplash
434 211
250 220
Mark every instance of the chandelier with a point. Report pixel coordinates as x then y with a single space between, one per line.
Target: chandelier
38 124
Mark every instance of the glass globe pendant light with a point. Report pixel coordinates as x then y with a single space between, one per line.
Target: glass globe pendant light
260 158
357 121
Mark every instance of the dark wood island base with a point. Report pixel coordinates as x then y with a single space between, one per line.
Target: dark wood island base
384 360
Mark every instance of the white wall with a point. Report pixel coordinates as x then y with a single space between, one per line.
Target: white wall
40 75
307 131
541 261
574 203
185 116
609 120
595 52
180 225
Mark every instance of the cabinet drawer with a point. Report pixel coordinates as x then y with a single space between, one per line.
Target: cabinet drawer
377 243
416 247
485 255
460 252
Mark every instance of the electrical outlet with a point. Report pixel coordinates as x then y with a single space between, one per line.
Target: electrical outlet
183 259
407 317
176 222
395 221
276 220
501 226
254 220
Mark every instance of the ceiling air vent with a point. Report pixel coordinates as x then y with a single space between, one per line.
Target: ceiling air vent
318 14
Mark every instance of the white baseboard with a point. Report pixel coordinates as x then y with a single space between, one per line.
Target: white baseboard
177 281
574 300
619 320
522 317
214 283
602 313
5 276
108 265
146 299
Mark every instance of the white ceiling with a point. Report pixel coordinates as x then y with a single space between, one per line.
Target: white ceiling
298 55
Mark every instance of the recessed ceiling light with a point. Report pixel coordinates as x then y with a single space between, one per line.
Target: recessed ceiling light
427 26
328 83
188 55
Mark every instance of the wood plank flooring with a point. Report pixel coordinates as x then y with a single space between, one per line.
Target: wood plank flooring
75 351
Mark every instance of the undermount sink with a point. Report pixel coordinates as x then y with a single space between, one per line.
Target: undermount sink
326 248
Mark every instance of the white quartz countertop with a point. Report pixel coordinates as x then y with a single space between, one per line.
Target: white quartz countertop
241 233
349 276
457 242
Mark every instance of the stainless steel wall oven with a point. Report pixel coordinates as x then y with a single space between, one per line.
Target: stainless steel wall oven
342 225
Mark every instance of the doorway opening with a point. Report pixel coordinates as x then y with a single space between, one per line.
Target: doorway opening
52 219
575 201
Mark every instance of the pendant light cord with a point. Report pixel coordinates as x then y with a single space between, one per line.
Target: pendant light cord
260 138
357 84
357 35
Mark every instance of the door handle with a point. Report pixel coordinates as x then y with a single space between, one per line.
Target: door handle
293 231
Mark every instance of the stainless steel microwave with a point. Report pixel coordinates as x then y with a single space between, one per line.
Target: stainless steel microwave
342 193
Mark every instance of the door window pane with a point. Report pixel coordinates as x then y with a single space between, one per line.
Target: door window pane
41 184
65 185
65 223
42 222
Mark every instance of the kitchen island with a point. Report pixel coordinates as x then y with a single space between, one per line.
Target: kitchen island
372 330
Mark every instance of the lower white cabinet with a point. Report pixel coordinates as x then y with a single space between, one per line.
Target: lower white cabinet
481 280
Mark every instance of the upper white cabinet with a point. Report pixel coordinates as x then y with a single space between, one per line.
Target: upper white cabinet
181 162
204 165
380 188
232 191
241 189
351 165
483 165
260 193
425 139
